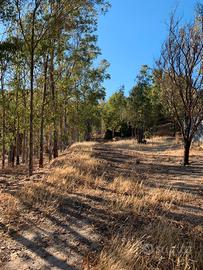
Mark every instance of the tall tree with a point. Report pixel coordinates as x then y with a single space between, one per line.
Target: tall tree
54 86
7 49
139 103
182 78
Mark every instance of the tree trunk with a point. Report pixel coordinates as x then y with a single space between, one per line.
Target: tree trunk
24 147
187 144
65 129
18 147
41 157
50 148
61 133
52 82
3 124
11 156
88 131
140 135
18 127
31 113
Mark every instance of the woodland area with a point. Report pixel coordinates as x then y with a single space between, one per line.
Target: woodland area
50 87
52 91
90 181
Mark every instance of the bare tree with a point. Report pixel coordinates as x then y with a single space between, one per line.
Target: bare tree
181 78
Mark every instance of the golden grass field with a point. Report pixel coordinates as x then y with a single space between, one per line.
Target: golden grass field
106 206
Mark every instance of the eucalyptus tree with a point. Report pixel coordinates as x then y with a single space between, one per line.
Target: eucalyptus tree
79 81
7 51
29 13
53 77
35 18
44 19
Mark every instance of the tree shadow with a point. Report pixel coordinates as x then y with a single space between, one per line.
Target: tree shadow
148 147
76 225
80 223
38 250
173 175
191 218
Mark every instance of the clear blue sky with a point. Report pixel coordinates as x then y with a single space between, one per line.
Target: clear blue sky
131 34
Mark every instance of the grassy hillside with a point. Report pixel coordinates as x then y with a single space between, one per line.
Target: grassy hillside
106 206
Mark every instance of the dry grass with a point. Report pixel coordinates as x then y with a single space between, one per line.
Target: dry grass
10 209
126 185
163 145
128 253
157 243
131 195
61 180
131 144
166 198
39 196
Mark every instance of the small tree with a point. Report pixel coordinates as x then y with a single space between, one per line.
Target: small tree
181 78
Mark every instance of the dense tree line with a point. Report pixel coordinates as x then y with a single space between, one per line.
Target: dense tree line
138 114
52 91
50 85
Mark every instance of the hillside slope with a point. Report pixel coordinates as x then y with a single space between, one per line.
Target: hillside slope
105 206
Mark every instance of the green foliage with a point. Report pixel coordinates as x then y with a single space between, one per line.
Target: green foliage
65 38
6 10
139 101
114 110
142 110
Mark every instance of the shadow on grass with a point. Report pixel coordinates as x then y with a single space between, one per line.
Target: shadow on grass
125 165
77 211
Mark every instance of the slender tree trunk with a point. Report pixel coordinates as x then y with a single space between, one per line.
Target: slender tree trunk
3 123
187 144
41 157
52 82
17 133
31 112
24 150
61 133
65 129
11 155
50 148
17 145
23 147
88 131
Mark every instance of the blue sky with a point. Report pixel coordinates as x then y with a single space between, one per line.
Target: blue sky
131 34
